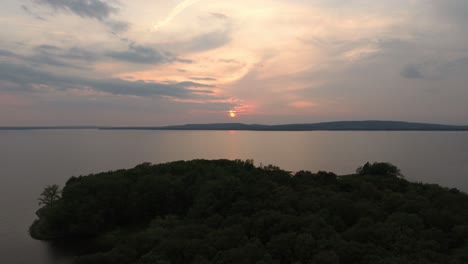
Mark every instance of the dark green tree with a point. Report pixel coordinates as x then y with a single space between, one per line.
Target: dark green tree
50 194
379 168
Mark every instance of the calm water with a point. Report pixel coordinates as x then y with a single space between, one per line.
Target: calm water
30 160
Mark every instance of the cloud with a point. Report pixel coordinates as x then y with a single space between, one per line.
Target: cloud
411 72
423 56
80 58
219 15
454 10
175 12
6 53
97 9
37 59
217 33
47 47
208 41
79 54
93 9
144 55
455 67
73 53
213 39
53 56
29 79
117 26
31 13
202 79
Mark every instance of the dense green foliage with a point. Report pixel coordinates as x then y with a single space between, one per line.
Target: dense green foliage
233 212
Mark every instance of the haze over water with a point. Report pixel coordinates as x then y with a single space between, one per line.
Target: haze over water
30 160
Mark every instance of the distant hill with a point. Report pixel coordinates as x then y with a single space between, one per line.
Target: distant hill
326 126
372 125
46 127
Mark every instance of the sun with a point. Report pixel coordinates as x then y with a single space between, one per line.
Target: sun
232 113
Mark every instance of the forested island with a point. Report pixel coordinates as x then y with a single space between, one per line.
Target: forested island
224 211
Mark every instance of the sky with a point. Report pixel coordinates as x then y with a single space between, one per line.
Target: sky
152 62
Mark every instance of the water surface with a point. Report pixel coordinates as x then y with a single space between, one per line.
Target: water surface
30 160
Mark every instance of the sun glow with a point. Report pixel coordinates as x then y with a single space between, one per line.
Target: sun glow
232 113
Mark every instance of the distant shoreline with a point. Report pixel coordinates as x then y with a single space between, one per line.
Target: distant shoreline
327 126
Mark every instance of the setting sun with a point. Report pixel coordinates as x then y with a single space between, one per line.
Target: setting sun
232 113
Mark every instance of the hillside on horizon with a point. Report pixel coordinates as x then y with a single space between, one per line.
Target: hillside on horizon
370 125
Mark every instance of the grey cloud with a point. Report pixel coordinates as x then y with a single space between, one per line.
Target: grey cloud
80 54
140 54
22 75
197 85
423 57
202 79
117 26
97 9
230 61
214 39
6 53
80 58
458 66
209 41
411 72
37 59
27 78
53 56
184 60
143 88
449 15
73 53
41 59
31 13
94 9
455 10
144 55
47 47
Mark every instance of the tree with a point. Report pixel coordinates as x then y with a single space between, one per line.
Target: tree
379 168
50 194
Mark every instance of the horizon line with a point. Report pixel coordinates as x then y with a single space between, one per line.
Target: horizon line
346 125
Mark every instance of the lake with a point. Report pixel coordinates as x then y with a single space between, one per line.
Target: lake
30 160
